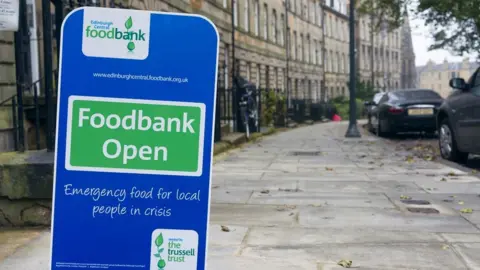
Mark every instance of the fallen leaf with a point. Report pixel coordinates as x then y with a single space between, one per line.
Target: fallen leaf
461 203
452 196
451 174
329 169
466 210
409 159
404 197
225 229
345 263
445 247
443 179
428 158
265 191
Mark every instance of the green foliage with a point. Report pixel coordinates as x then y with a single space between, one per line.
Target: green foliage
269 107
388 13
363 90
343 108
454 24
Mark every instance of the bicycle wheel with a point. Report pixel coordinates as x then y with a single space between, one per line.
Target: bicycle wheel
253 112
244 115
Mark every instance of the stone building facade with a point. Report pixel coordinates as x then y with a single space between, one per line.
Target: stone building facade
380 54
337 64
302 44
437 76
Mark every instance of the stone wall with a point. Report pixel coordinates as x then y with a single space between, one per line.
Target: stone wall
26 184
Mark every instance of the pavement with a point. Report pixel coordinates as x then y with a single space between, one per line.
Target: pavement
309 198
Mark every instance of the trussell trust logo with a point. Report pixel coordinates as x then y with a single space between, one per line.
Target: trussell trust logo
116 35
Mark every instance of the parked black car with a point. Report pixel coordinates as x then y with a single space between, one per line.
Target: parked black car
458 120
407 110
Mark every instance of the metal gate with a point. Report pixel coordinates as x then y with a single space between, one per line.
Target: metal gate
36 95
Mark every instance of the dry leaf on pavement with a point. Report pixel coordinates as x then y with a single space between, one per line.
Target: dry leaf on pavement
405 197
445 247
345 263
461 202
443 179
466 210
409 159
225 228
328 169
265 191
428 158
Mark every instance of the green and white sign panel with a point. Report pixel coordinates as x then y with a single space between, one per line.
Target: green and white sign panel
135 136
135 126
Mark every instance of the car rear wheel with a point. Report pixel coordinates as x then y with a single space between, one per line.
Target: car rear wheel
381 132
448 145
369 124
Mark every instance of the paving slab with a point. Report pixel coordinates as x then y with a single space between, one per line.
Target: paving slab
300 237
359 186
384 256
321 198
251 215
461 237
260 185
223 195
317 176
382 219
451 187
470 253
12 239
35 255
258 263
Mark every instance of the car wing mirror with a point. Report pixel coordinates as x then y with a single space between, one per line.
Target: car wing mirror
458 83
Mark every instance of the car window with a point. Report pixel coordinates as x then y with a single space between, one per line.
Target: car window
377 98
415 95
475 83
477 79
383 99
474 80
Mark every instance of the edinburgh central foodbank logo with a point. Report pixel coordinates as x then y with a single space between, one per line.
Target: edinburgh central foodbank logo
106 30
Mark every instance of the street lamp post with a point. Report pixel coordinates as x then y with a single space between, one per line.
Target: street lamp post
352 131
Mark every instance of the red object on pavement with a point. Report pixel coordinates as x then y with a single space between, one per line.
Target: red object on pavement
337 118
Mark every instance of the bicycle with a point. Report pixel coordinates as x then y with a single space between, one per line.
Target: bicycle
248 111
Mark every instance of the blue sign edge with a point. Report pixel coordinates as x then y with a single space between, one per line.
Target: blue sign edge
59 92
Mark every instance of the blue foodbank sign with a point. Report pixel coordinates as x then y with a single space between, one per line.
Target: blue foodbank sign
150 213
